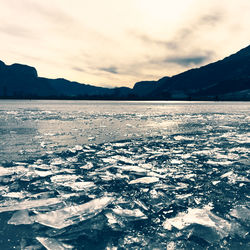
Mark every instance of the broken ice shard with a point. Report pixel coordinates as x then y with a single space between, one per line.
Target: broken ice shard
74 214
136 213
203 217
20 218
144 180
52 244
27 204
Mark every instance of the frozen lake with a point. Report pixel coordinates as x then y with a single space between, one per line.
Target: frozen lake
132 175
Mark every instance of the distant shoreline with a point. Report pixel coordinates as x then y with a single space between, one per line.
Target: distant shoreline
125 99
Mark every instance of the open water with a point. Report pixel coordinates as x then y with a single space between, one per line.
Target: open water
124 175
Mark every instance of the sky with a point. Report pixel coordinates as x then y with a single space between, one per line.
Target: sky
119 42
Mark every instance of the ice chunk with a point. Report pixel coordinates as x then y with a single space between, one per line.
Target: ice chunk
52 244
136 213
132 169
6 171
120 144
18 195
70 215
72 159
144 180
89 165
27 204
171 245
75 149
198 216
123 159
115 221
227 174
21 217
175 161
57 161
109 160
141 204
182 138
215 182
79 186
233 178
242 213
43 173
182 196
62 178
212 162
111 218
107 176
181 185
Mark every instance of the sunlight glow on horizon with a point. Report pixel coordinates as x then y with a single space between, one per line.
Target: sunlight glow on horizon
117 43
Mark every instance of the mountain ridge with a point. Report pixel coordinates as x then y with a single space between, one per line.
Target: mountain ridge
192 83
225 79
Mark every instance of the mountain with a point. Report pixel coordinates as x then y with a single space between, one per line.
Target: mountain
225 79
22 81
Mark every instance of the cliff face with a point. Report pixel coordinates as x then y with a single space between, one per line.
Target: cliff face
22 81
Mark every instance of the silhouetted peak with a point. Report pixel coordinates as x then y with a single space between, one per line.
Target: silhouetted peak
142 84
165 78
245 52
2 64
21 69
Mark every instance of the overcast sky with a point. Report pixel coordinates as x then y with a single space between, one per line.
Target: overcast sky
119 42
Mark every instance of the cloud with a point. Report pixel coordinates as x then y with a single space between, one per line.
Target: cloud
211 19
152 41
112 70
78 69
185 35
196 29
188 61
51 12
16 30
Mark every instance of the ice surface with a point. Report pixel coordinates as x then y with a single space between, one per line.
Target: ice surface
163 170
70 215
